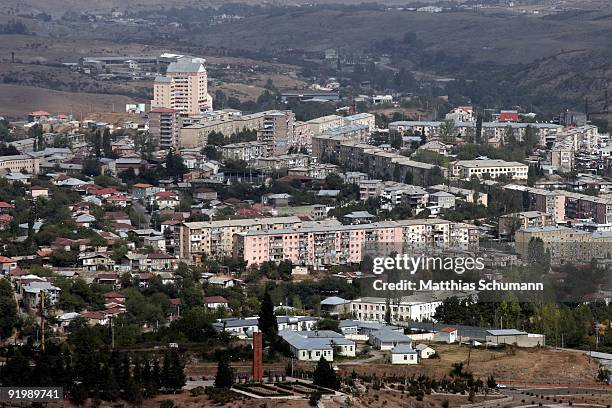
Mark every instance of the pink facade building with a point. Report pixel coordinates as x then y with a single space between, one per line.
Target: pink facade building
332 245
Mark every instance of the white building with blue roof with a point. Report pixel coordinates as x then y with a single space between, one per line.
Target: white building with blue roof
312 345
404 354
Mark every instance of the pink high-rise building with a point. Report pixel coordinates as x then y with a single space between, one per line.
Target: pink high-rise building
184 88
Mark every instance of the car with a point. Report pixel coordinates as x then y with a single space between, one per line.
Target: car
502 386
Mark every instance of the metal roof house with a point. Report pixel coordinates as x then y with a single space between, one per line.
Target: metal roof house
388 339
404 354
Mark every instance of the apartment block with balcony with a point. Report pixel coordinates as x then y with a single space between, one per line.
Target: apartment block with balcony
323 246
184 87
216 238
164 126
277 131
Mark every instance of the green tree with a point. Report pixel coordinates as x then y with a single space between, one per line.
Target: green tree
173 372
267 320
491 383
8 309
448 131
325 376
225 375
175 167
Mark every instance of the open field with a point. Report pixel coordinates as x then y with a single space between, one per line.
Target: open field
38 64
16 101
540 366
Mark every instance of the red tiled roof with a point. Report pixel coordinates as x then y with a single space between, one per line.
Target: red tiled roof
93 315
6 259
104 191
116 215
44 252
114 295
117 197
508 116
158 255
106 275
4 204
6 218
166 194
215 299
448 329
39 113
162 110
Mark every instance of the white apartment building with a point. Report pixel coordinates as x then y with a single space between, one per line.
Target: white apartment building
17 163
247 151
408 308
465 169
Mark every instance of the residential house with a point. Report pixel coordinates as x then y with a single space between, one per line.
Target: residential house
32 294
335 305
166 199
214 302
446 335
7 265
404 354
95 261
386 339
424 350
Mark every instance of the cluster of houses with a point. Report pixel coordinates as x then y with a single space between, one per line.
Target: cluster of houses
404 345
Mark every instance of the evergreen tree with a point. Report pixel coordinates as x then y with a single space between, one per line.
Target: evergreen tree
8 309
110 387
267 320
124 370
225 375
388 311
175 167
173 375
478 136
16 372
491 383
325 376
133 392
156 374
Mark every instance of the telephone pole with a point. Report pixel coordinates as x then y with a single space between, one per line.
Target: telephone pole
112 329
42 321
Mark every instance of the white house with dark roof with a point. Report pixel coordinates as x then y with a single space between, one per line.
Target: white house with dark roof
335 305
312 345
388 339
515 337
446 335
424 350
214 302
404 354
